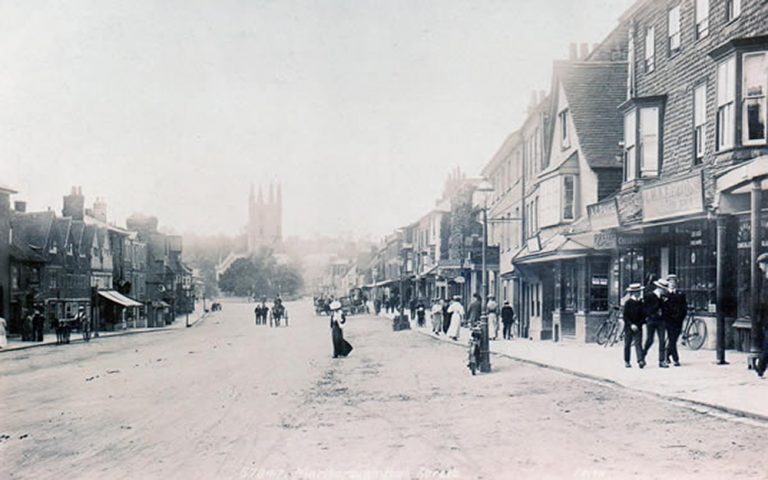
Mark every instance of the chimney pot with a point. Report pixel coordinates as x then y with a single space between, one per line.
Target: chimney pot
572 52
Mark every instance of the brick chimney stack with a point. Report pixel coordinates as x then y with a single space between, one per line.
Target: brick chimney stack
584 51
74 204
100 209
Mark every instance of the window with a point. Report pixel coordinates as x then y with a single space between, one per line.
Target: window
673 29
700 120
726 94
649 141
568 197
630 160
650 50
598 285
753 93
733 9
565 141
702 18
631 65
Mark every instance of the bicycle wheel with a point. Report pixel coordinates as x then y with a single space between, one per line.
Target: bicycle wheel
604 333
696 334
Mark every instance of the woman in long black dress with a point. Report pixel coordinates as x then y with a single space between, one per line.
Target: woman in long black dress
341 347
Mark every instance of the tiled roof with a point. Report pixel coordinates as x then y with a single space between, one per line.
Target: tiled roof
76 235
32 229
88 234
60 232
594 91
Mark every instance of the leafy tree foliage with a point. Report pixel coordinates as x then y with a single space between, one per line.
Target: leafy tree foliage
261 275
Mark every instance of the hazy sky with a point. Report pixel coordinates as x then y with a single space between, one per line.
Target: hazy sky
359 107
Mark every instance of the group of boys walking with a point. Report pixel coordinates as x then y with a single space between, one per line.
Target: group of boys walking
662 311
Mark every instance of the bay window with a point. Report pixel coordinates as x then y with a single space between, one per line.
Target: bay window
630 161
650 50
755 76
726 97
699 121
569 197
702 18
733 9
673 29
649 141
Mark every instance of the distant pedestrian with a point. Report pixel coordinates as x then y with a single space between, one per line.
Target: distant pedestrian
634 318
474 311
507 319
341 347
412 308
456 311
27 334
446 316
38 325
437 316
762 360
674 310
654 321
493 317
377 305
3 337
420 313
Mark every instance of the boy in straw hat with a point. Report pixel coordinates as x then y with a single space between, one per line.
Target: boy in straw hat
654 320
634 318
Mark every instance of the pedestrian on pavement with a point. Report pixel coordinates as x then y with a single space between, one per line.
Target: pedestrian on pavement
3 337
507 318
762 360
456 310
654 321
412 308
377 305
474 311
437 316
634 318
674 310
446 316
421 313
341 347
493 317
38 325
26 330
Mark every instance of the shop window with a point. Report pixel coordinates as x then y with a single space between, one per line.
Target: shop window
650 50
702 18
744 263
598 284
673 30
15 277
753 97
695 260
700 120
726 99
569 286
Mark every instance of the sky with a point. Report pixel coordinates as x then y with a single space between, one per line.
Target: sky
359 108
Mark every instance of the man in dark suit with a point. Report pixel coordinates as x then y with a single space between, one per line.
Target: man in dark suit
674 310
474 311
654 321
507 319
634 318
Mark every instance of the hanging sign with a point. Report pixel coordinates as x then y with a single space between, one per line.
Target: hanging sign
603 215
673 199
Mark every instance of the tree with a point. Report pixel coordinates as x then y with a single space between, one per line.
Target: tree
261 275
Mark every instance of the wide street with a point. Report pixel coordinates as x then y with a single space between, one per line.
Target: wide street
228 399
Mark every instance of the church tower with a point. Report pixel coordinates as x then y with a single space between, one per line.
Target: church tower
265 219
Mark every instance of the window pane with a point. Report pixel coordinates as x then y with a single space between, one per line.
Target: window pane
649 130
754 110
754 74
568 197
700 104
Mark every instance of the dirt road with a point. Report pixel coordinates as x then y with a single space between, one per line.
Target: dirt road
228 399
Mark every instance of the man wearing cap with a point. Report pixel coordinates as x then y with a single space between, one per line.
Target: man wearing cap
634 318
674 310
654 320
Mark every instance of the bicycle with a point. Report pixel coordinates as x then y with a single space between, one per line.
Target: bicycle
610 331
694 333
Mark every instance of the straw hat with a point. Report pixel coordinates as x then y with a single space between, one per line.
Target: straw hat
662 284
335 305
634 287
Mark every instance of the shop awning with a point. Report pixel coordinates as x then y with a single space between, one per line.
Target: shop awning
559 247
118 298
160 304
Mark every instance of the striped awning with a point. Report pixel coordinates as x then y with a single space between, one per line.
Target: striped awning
118 298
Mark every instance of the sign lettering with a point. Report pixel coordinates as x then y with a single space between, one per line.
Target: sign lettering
673 199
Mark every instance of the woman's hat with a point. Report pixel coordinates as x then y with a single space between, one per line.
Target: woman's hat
662 284
335 305
634 287
457 297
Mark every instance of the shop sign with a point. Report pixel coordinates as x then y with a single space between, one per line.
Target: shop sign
534 244
611 240
603 215
673 199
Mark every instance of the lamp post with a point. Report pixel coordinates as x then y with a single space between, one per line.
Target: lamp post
485 355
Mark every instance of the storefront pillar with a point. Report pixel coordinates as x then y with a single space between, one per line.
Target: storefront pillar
756 331
722 224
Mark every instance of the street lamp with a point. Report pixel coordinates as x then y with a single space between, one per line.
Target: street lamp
483 188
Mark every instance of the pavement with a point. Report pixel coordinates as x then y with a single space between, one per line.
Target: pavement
49 339
699 381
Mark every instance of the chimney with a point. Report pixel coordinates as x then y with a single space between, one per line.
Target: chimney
572 52
19 206
584 51
74 204
100 210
